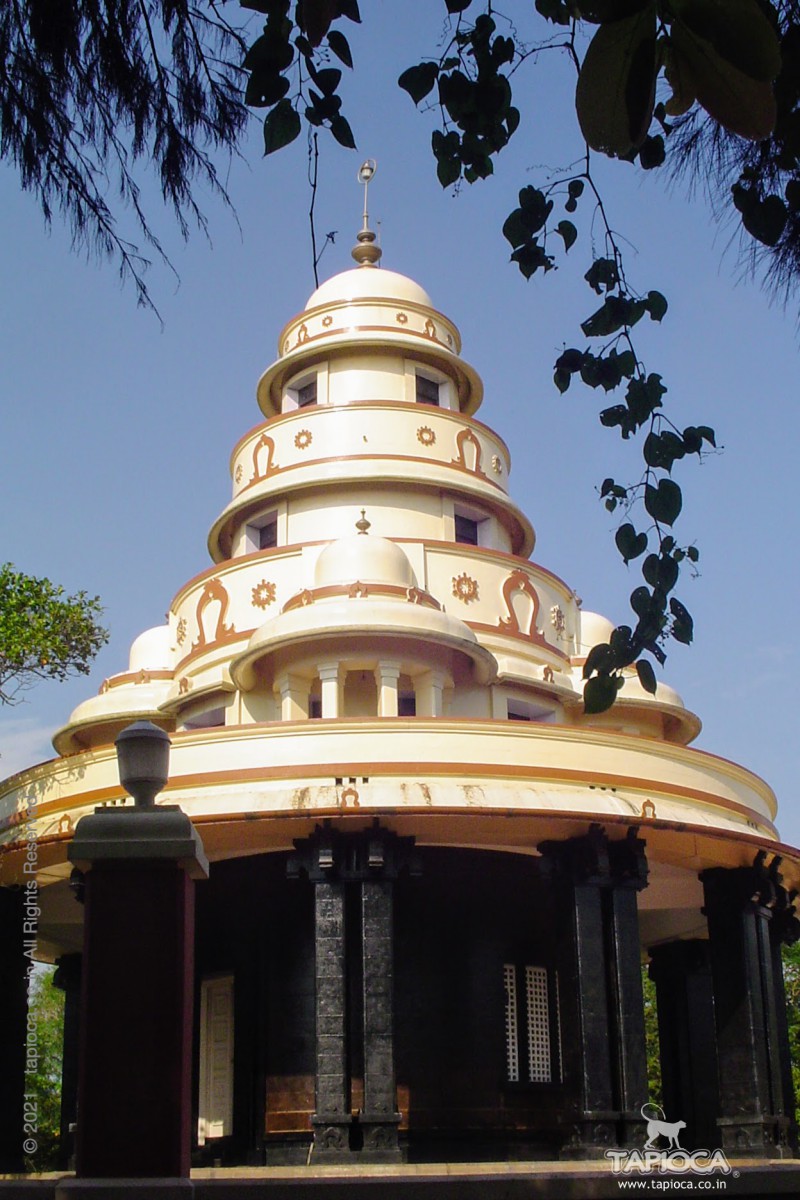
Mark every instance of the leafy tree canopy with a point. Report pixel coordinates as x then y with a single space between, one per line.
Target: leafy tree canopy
44 633
708 88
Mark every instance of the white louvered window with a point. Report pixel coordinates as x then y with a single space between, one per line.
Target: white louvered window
512 1039
531 1024
215 1117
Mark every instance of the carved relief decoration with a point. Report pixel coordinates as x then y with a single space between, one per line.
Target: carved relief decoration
518 581
327 321
430 330
558 620
213 592
263 594
303 439
302 334
547 675
497 465
402 318
425 435
181 631
414 595
264 443
184 685
465 588
464 438
357 590
239 473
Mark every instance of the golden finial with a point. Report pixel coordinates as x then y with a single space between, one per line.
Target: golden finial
366 253
363 525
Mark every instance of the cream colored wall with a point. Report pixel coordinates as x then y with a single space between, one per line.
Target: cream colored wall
367 377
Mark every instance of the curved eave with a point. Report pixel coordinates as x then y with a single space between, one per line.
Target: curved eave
468 383
685 723
372 474
358 621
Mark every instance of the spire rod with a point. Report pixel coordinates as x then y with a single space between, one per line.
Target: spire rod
365 252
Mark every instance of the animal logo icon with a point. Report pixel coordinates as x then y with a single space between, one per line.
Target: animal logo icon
658 1126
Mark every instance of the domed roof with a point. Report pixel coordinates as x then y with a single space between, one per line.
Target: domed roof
369 283
151 650
365 559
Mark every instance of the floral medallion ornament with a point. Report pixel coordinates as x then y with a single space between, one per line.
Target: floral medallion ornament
181 634
426 435
465 588
327 321
263 594
402 318
303 439
497 466
239 473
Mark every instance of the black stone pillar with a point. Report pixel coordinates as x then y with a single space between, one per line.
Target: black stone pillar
380 1118
13 1029
344 867
752 1049
599 965
332 1119
681 972
68 978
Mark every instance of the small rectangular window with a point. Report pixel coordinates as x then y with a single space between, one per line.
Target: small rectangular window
406 704
307 394
427 391
268 535
466 530
315 707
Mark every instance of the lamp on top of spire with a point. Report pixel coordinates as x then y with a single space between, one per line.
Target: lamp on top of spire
366 253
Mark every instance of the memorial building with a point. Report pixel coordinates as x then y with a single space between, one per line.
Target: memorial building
434 880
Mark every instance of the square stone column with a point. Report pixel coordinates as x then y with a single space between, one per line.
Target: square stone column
387 675
332 1119
135 1068
380 1118
752 1049
330 681
13 1028
682 974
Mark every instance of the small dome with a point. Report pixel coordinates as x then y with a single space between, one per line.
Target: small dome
594 630
363 558
369 283
151 650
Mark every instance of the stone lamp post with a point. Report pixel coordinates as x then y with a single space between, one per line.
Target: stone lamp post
134 1080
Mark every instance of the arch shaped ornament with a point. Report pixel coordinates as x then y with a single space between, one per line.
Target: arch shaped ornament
465 438
213 592
265 442
515 583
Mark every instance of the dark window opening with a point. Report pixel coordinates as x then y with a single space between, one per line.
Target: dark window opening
406 704
427 391
210 719
268 535
466 530
315 707
307 394
532 1035
516 715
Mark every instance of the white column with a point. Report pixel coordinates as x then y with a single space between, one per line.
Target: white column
293 691
429 690
387 675
330 688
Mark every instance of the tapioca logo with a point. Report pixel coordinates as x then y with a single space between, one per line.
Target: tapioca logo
672 1158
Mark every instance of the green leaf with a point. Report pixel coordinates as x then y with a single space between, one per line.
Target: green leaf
602 275
616 86
554 10
764 219
340 128
568 232
457 6
682 623
630 543
600 658
515 229
739 32
656 305
601 11
647 676
340 47
599 693
741 104
281 126
664 502
419 81
264 88
562 379
328 80
652 152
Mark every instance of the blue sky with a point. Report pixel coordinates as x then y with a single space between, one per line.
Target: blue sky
115 432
